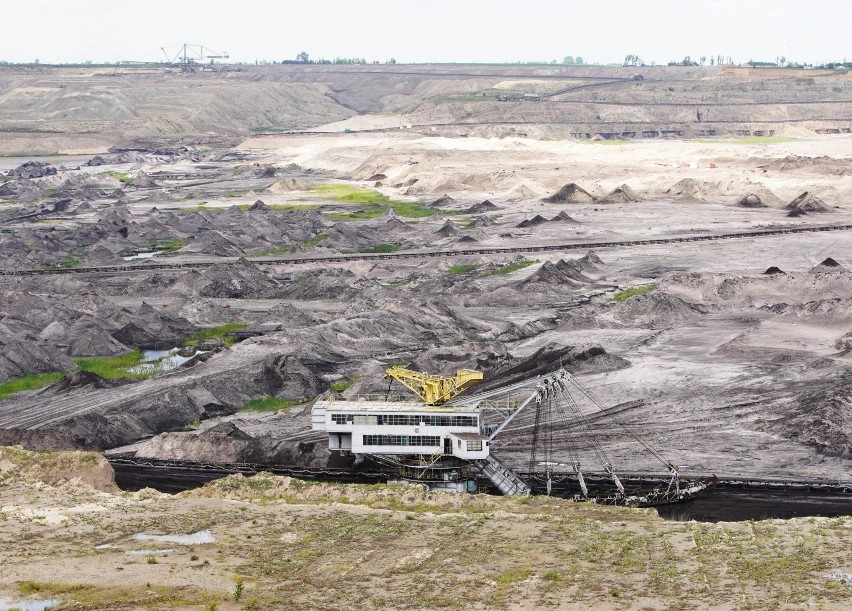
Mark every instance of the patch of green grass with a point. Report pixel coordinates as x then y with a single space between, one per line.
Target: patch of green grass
633 290
91 596
463 268
315 240
271 404
167 247
512 576
236 193
509 268
379 248
127 179
49 192
364 214
375 204
222 332
28 382
114 367
342 385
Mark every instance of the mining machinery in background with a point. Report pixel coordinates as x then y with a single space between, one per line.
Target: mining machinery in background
190 57
445 439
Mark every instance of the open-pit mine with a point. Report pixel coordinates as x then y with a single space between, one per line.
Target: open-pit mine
225 289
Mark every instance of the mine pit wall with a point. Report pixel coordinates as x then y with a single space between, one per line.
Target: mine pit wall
649 132
35 440
120 423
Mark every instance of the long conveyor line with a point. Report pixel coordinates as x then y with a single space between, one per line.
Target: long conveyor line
443 253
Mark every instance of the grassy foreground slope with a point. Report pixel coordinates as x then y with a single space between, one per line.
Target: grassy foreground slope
285 544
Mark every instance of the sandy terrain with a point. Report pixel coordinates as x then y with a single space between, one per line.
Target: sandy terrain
272 542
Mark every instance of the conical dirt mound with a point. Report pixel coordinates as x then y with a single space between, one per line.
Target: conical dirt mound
828 265
485 206
444 200
619 195
572 193
751 201
563 217
533 222
807 202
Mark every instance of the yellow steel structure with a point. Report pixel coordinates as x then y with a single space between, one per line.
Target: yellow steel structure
434 390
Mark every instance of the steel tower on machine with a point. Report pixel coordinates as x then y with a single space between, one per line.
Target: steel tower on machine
190 57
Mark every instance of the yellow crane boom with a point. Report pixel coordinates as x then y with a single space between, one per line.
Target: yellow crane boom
434 390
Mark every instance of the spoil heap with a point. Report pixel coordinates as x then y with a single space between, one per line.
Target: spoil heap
563 217
619 195
807 202
751 201
533 222
484 206
285 185
827 265
572 193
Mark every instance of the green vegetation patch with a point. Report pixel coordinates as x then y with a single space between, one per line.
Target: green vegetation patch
91 596
633 290
166 247
509 268
342 385
222 332
28 382
271 404
463 268
127 179
374 204
115 367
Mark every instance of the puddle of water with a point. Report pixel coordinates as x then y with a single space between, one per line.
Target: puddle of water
28 605
160 360
202 536
149 552
143 255
841 577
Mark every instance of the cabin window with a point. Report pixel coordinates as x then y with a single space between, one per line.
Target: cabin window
474 446
401 440
368 420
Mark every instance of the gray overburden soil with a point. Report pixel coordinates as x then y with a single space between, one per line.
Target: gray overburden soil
725 368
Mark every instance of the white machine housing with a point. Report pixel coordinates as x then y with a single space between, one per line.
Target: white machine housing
401 427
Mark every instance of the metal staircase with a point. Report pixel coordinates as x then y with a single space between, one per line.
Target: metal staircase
506 480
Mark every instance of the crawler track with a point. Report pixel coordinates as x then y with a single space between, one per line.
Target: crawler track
444 253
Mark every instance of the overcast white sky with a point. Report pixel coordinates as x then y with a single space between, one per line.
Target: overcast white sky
601 31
